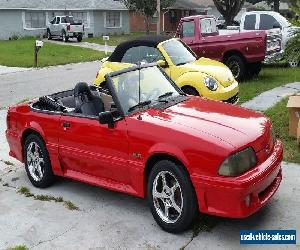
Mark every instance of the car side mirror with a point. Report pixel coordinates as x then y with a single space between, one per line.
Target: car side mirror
162 63
107 118
276 25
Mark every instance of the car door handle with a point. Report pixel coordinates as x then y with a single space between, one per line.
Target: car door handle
66 125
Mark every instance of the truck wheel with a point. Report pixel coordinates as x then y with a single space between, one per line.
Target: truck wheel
49 35
79 39
64 36
254 69
171 197
37 162
237 66
190 91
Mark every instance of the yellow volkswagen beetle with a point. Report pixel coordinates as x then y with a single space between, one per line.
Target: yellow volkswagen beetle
203 77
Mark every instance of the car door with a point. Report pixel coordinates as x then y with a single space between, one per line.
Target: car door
56 27
90 148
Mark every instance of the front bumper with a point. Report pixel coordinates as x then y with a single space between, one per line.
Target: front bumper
274 57
239 197
225 94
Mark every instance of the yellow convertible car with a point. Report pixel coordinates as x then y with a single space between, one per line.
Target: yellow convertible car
203 77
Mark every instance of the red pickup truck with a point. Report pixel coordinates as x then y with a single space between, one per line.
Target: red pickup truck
243 52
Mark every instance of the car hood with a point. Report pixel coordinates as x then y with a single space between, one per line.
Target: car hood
217 70
232 125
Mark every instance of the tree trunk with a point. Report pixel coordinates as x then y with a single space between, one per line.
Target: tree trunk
276 5
147 23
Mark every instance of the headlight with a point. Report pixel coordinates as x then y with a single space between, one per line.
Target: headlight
210 83
238 163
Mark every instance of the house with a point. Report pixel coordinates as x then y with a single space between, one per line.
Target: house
29 17
171 16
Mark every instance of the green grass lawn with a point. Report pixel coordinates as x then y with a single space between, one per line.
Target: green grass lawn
280 118
20 53
115 40
269 78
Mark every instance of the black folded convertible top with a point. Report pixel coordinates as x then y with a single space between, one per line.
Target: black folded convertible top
150 41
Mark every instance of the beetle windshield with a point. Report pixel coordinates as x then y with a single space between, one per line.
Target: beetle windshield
178 53
139 88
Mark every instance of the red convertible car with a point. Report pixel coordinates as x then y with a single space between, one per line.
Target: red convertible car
143 136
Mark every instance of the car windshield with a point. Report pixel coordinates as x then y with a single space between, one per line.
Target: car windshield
177 52
152 87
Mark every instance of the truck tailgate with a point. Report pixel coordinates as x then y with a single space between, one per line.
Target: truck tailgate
76 28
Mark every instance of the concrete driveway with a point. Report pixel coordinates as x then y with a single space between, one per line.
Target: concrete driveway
16 86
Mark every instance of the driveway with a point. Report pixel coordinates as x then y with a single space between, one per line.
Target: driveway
87 45
16 86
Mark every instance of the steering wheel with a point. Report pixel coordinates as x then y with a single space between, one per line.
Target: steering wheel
153 94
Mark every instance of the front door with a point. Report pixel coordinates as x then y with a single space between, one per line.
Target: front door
88 147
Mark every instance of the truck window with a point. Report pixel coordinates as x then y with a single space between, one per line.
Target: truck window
266 22
250 21
208 26
188 29
57 20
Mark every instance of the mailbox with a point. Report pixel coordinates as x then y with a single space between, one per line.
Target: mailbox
39 43
105 38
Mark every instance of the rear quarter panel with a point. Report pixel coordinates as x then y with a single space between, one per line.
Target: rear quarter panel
46 124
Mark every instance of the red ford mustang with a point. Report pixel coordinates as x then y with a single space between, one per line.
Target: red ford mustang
143 136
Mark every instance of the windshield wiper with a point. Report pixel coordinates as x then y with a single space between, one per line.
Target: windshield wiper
139 105
165 95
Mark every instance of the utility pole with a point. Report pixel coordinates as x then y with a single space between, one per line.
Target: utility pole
158 17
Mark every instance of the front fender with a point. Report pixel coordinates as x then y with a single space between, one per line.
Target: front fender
193 79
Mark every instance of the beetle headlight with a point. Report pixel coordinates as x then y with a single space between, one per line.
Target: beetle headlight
210 83
238 163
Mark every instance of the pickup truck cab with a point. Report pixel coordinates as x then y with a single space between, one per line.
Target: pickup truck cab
243 53
65 27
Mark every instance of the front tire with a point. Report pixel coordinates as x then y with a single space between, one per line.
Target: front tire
237 66
254 69
190 90
37 162
171 197
79 39
49 36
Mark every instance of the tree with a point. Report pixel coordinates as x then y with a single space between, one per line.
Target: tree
229 9
147 8
276 3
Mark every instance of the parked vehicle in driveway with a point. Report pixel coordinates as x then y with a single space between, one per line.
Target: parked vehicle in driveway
243 53
145 137
65 27
267 21
204 77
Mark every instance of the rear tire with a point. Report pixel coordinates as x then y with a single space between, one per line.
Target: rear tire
237 66
64 37
171 197
37 162
190 90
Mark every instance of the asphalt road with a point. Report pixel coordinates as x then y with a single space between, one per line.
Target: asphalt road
18 86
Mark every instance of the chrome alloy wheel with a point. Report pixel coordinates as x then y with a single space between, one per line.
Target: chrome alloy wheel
167 197
35 161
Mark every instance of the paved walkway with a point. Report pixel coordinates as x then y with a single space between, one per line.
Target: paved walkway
8 70
269 98
86 45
